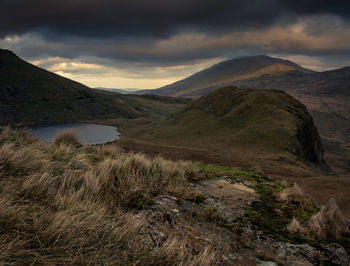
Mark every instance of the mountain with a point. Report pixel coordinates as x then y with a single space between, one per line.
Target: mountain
227 72
231 119
121 91
29 94
325 94
327 97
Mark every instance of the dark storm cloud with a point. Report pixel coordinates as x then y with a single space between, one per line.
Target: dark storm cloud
335 7
156 18
161 41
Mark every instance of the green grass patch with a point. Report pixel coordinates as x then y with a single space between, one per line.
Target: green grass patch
250 175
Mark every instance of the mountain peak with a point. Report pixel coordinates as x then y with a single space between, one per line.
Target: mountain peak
253 63
5 52
227 73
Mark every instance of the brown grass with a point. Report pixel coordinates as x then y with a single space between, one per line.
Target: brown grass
63 204
294 192
328 223
295 228
67 137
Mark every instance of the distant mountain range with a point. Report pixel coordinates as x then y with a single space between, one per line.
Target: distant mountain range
29 94
326 94
122 91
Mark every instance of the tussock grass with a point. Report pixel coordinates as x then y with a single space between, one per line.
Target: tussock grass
295 227
67 137
327 223
294 192
61 203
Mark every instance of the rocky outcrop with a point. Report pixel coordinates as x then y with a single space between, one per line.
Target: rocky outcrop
218 223
310 144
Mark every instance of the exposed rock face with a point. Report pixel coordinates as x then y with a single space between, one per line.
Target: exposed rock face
309 140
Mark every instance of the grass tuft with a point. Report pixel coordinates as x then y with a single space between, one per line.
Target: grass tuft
67 137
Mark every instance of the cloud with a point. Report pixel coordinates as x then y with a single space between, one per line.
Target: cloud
157 18
312 35
131 76
163 40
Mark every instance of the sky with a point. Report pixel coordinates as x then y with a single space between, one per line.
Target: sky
147 44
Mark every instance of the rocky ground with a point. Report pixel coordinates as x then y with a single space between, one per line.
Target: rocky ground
219 218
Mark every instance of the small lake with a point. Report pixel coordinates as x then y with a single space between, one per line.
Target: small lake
86 133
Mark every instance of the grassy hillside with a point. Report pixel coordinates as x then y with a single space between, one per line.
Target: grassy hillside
63 203
326 95
265 120
29 94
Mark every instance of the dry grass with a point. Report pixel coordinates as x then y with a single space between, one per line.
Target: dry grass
295 228
328 223
294 192
67 137
63 204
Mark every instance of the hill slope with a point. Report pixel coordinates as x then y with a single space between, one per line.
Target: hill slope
230 118
327 97
63 204
227 72
29 94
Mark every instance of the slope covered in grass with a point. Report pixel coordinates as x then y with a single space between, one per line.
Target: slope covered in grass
63 203
29 94
249 119
60 204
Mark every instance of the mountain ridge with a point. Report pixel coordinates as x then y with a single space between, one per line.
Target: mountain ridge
234 69
29 94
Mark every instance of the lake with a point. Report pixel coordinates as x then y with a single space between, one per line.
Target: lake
86 133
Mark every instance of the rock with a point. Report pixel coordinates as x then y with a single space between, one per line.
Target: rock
336 254
267 263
